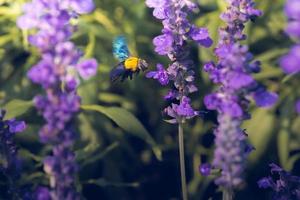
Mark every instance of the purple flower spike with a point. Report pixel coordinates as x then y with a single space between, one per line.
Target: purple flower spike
290 62
177 31
233 72
60 65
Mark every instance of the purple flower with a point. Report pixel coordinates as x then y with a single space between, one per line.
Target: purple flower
283 184
201 36
42 193
264 98
185 109
161 75
231 100
292 11
163 44
87 68
265 182
10 164
205 169
290 61
60 65
176 32
16 126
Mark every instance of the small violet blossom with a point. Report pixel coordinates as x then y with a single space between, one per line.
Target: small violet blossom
231 100
176 32
205 169
58 72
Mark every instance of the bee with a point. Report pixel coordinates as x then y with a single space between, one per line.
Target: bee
128 65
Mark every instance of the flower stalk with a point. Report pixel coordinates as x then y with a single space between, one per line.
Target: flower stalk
182 162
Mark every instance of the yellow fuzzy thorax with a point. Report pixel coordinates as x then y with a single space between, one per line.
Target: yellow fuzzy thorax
131 63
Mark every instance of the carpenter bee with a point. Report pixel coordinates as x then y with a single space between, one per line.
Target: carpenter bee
128 65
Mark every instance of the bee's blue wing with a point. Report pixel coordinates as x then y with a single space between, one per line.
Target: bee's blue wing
117 72
120 48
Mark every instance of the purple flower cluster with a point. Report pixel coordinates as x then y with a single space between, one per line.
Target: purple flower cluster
172 42
284 185
290 62
9 163
58 72
231 100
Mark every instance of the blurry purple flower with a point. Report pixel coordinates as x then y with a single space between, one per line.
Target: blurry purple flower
283 184
265 182
293 29
205 169
292 9
81 6
265 99
60 65
87 68
290 61
42 193
233 72
161 75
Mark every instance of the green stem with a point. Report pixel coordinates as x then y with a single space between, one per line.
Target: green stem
182 162
227 194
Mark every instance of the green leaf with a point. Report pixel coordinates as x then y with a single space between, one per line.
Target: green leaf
291 161
27 154
104 183
16 108
99 156
289 77
128 122
89 136
283 147
260 129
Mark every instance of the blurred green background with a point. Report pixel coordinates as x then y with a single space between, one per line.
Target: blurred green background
118 163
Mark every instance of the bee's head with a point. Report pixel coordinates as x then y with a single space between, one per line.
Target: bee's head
143 65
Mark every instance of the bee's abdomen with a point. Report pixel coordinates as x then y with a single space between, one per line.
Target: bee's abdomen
131 64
